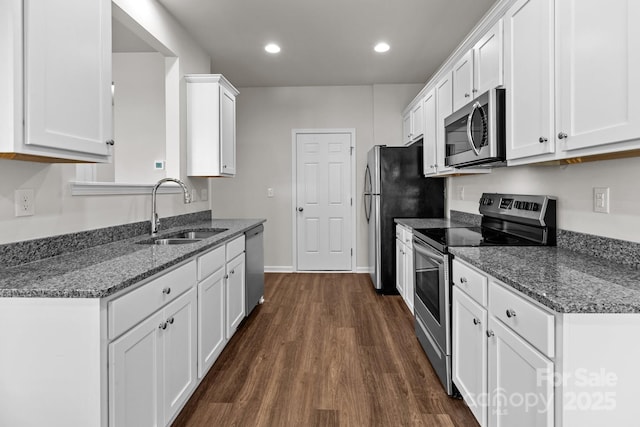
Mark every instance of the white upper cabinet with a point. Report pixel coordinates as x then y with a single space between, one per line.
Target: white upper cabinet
211 125
56 77
430 129
598 64
444 107
413 122
463 81
488 61
480 69
529 76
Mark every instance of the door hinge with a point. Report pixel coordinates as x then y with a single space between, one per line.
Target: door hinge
351 151
352 201
351 251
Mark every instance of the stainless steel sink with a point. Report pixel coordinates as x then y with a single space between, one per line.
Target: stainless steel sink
183 237
180 241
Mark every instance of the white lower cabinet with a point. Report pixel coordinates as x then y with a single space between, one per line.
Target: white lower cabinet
520 380
470 352
235 293
504 379
212 333
152 368
400 273
405 282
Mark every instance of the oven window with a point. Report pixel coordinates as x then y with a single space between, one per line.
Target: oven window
428 284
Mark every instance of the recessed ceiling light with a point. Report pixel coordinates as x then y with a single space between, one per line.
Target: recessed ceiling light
272 48
382 47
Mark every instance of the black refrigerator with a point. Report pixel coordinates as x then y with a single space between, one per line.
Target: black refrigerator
395 187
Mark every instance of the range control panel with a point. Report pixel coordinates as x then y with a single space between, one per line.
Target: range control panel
522 207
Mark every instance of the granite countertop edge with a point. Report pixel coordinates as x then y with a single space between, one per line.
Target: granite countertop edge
32 280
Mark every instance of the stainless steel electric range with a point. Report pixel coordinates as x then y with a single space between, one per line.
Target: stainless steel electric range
507 220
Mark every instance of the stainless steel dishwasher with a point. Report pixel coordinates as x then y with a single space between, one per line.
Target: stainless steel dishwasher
254 252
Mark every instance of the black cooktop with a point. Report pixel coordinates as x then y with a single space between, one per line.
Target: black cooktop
470 237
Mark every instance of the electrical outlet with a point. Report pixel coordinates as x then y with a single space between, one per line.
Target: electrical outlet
204 194
194 195
601 199
24 202
269 192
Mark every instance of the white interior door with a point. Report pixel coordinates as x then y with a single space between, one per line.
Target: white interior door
323 201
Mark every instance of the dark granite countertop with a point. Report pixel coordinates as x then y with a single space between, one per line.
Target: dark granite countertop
430 222
106 269
562 280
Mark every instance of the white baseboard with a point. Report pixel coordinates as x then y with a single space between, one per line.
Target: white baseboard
278 269
289 269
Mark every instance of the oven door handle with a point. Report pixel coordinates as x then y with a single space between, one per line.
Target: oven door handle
434 256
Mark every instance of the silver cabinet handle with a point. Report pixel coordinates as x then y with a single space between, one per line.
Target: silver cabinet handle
166 291
110 142
466 95
474 90
162 325
542 139
300 209
463 280
226 276
233 272
170 320
490 333
476 321
511 313
224 166
562 135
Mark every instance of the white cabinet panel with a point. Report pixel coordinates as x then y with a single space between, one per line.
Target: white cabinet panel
520 381
598 64
235 293
529 77
463 81
135 376
179 349
211 320
488 61
211 125
469 352
430 160
444 108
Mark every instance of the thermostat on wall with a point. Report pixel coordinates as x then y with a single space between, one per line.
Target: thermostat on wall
158 164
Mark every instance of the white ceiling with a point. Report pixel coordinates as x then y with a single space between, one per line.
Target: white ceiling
327 42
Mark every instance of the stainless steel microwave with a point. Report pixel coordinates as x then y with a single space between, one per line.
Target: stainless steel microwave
475 134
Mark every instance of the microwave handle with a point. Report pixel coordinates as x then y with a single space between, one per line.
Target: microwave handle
469 123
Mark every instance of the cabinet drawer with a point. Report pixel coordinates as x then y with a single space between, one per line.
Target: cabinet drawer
210 262
470 281
523 317
129 309
235 248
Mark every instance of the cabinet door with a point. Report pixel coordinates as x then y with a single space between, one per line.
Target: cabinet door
406 128
417 120
469 352
135 376
444 108
400 267
235 293
430 129
520 381
488 61
211 321
68 75
598 64
179 350
463 81
227 131
529 76
409 279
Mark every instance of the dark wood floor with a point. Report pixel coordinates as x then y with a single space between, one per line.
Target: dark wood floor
324 350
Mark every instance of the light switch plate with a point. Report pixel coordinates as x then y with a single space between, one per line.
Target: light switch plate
601 199
269 192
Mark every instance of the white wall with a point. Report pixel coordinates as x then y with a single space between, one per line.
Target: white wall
573 186
58 212
265 119
139 116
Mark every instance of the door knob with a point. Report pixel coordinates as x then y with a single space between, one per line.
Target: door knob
562 135
300 209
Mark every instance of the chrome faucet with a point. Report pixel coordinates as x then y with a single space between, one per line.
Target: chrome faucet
155 221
